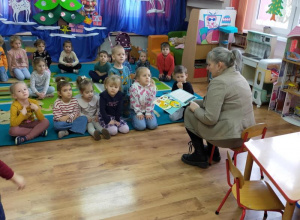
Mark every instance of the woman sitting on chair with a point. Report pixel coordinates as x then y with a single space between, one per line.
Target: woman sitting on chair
223 114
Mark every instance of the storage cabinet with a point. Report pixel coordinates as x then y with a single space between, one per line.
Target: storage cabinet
285 98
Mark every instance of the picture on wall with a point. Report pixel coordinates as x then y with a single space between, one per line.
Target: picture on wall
209 23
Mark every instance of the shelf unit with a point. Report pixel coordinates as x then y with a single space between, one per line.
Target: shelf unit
286 93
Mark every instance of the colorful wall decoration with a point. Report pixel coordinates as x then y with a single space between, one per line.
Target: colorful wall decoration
87 22
209 23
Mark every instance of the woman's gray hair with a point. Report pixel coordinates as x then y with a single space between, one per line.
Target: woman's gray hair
229 58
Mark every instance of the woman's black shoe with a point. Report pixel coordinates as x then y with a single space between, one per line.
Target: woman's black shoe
194 160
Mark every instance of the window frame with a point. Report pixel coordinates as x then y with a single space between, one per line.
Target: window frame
295 14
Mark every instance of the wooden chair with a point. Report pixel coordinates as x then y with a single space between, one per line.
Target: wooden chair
251 195
250 132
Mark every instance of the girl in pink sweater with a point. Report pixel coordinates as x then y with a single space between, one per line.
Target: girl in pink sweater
17 59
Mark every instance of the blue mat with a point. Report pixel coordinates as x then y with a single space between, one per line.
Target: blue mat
6 139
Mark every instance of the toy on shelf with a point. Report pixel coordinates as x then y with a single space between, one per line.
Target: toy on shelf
293 56
227 35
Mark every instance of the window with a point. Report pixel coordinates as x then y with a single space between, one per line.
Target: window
281 15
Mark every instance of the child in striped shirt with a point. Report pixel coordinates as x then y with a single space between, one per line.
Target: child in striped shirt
66 111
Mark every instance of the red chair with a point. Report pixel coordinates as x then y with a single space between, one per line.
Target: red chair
250 132
251 195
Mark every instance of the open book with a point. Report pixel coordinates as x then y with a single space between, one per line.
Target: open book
175 100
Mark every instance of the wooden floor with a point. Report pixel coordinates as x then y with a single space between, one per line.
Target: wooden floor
134 176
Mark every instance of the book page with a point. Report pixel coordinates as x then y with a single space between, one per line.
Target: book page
182 96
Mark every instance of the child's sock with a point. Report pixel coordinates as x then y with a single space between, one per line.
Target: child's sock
96 135
44 133
61 134
20 139
105 133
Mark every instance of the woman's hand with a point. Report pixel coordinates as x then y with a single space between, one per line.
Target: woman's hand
117 123
193 106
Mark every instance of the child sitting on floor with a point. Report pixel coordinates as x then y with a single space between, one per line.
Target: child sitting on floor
40 79
180 75
41 52
23 125
111 103
17 59
165 63
89 106
3 63
118 55
68 61
66 111
142 96
143 61
101 68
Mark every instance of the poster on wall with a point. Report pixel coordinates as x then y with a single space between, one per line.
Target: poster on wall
209 22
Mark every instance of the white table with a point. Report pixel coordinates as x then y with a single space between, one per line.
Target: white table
279 158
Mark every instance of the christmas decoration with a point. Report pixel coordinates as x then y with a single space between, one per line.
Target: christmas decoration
76 28
89 6
87 20
65 28
18 6
54 9
97 20
274 9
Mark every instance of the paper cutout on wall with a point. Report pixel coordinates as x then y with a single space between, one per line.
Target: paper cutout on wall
66 9
65 29
97 20
76 28
154 9
274 9
19 6
89 6
87 20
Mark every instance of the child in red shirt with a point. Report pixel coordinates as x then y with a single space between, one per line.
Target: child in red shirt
165 63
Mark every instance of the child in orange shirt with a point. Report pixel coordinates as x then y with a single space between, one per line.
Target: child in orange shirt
3 63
